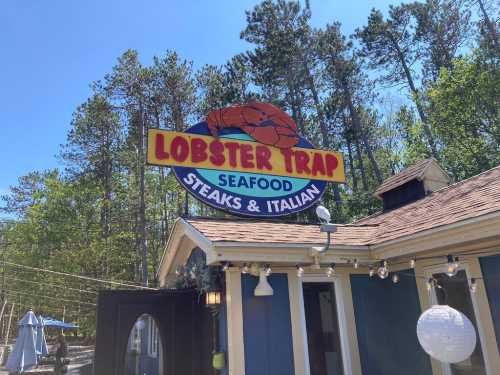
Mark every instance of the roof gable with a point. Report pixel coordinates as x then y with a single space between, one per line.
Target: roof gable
427 170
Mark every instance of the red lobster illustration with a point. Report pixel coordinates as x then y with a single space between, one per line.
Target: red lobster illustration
264 122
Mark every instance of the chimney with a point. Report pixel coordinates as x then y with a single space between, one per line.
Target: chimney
412 184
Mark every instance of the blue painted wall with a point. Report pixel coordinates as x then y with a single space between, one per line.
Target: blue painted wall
490 267
267 328
386 322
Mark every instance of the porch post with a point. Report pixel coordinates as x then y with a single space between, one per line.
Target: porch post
236 350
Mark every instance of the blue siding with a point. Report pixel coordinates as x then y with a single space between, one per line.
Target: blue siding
267 328
386 322
490 267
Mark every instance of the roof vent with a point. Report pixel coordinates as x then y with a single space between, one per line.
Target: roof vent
412 183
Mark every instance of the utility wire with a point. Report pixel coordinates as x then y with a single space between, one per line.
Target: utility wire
50 284
48 297
78 276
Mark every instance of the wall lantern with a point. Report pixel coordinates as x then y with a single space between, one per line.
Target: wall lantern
446 334
263 288
213 298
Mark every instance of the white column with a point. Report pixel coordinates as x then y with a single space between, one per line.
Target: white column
236 351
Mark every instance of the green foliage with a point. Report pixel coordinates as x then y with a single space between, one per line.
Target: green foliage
465 115
108 215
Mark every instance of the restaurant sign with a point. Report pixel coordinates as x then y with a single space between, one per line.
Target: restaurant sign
248 160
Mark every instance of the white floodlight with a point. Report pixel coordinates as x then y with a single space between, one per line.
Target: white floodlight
323 214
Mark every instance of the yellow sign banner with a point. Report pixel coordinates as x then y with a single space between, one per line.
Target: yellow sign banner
178 149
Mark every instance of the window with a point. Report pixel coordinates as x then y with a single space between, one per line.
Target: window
152 338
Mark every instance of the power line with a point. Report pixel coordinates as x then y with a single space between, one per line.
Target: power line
7 291
78 276
53 285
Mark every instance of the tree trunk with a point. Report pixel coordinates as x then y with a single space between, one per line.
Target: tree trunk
361 165
359 132
351 167
142 196
416 96
489 25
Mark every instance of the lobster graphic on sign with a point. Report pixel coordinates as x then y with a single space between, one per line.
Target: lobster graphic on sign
264 122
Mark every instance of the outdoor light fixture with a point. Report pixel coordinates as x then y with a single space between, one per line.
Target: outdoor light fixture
300 271
331 270
395 278
371 271
325 217
451 266
383 270
473 285
263 288
446 334
225 266
323 214
356 264
268 270
213 298
412 263
245 269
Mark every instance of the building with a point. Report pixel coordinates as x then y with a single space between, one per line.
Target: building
344 321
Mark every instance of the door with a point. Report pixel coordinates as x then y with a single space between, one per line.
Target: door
178 317
323 336
454 292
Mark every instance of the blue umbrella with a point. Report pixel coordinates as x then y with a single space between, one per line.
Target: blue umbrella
41 343
54 323
23 356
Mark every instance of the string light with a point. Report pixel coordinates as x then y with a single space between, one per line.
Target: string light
371 271
412 263
245 269
395 278
300 271
383 270
452 266
429 284
192 272
473 285
268 270
225 266
331 270
356 264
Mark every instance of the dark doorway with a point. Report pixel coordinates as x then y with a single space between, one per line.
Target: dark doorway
323 338
183 322
455 292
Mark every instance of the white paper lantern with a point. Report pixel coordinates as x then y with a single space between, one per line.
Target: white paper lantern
446 334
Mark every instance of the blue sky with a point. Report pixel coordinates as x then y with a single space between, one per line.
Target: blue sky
52 50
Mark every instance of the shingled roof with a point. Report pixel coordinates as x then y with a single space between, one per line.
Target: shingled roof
414 172
474 197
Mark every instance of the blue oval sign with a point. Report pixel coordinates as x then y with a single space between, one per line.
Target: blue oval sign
247 193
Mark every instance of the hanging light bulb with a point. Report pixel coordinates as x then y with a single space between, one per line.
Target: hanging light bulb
383 270
395 278
451 266
331 270
429 284
356 264
300 271
371 271
268 270
225 266
245 269
412 263
192 272
473 285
